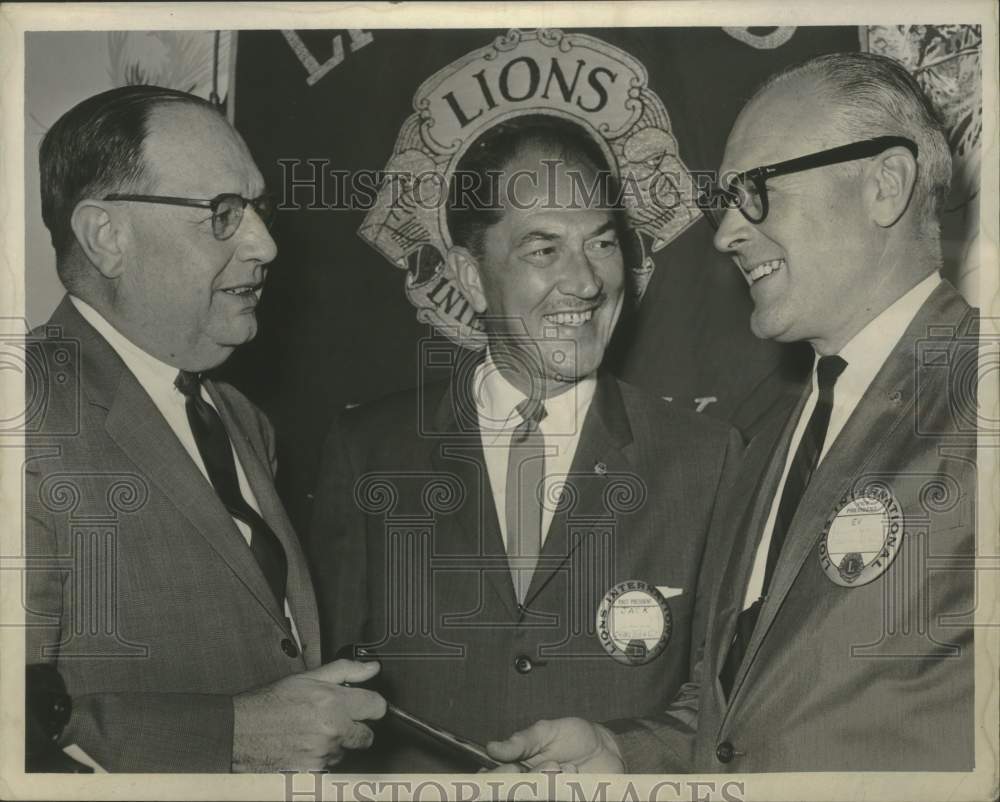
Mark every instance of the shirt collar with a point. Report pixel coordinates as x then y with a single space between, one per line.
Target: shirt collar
868 350
151 373
497 400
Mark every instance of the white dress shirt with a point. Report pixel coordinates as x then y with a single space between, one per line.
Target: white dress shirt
157 379
865 354
496 404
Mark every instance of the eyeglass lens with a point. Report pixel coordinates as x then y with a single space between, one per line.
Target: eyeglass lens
738 193
228 213
752 198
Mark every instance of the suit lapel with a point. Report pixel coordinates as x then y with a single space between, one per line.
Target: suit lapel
135 424
301 602
887 404
459 450
604 440
763 463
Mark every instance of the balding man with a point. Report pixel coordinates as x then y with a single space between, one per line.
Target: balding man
840 630
166 584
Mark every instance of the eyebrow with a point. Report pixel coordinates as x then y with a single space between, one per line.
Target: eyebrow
548 236
607 226
545 236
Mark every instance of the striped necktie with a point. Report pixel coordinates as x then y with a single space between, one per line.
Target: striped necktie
217 454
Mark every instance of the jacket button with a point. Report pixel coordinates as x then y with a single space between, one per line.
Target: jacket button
288 647
523 665
725 752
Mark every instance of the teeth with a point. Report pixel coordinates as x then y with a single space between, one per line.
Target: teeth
766 269
247 290
571 318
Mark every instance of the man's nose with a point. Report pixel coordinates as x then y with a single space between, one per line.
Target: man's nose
580 278
732 232
256 244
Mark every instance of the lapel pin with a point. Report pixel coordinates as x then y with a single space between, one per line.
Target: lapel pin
600 469
895 397
633 622
862 538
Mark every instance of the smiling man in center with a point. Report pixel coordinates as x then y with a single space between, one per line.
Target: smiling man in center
525 539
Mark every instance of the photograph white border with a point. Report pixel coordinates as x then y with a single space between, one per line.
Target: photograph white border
16 19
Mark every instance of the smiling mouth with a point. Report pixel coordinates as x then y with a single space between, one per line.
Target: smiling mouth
577 318
763 270
245 291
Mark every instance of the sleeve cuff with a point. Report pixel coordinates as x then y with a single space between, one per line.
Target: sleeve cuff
641 751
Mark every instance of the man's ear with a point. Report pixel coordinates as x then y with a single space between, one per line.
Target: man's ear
891 178
100 237
465 267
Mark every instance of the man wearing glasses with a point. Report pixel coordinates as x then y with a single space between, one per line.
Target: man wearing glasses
840 625
167 586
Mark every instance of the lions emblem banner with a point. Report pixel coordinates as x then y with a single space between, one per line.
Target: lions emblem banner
343 122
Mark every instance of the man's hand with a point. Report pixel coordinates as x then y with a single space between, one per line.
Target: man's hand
564 744
305 721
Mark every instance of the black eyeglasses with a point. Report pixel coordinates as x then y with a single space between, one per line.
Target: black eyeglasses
748 191
227 208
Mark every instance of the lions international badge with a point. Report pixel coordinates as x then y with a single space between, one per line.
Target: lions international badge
571 76
862 538
633 622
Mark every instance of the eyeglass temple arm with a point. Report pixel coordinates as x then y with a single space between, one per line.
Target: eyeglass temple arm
165 199
834 156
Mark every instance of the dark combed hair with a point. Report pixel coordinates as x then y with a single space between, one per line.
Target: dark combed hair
475 199
96 148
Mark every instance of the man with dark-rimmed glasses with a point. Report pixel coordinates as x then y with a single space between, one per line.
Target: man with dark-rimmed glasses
747 191
167 586
840 625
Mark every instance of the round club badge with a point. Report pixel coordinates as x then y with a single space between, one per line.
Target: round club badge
633 622
862 538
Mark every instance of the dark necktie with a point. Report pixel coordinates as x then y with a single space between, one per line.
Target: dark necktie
525 476
217 454
800 472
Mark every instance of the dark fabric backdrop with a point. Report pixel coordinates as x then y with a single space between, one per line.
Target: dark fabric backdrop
336 327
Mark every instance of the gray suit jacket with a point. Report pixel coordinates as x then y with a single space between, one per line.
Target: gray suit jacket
409 557
872 677
141 591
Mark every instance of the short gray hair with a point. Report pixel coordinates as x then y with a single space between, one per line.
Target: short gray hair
876 95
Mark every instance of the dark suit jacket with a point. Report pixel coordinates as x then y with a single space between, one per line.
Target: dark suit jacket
874 677
408 557
141 591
